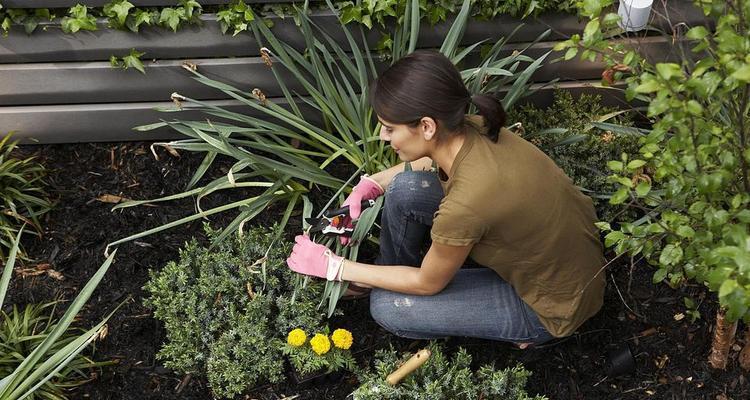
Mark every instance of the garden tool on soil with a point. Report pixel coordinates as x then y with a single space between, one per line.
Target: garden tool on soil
408 367
333 222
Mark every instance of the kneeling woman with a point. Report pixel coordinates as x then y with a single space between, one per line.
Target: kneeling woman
495 198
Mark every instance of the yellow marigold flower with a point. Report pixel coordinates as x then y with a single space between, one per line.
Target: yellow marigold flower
296 337
320 344
342 339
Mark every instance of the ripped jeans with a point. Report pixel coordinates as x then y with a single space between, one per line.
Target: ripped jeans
476 303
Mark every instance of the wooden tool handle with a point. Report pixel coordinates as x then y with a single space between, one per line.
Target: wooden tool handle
409 366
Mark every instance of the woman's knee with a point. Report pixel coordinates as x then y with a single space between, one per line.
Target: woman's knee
411 188
383 311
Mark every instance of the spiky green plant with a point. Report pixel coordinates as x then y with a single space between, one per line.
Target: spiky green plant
39 363
286 152
22 197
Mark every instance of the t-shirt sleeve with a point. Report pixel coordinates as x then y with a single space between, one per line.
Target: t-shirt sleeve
456 224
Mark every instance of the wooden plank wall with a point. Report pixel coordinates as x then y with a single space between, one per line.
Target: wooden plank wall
59 88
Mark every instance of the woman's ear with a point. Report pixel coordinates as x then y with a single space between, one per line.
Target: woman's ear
428 127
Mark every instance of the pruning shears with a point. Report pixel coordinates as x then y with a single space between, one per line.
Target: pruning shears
333 222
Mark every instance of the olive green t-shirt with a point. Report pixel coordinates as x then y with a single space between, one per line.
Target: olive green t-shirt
527 221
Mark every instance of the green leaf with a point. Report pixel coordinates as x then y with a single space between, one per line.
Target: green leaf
727 287
571 53
670 255
171 18
659 275
619 196
133 60
668 71
648 86
697 33
613 238
685 231
119 10
643 189
742 74
615 166
635 164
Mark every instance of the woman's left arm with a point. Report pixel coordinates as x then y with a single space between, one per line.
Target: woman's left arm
438 268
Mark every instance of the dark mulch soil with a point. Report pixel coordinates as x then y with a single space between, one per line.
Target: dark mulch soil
670 353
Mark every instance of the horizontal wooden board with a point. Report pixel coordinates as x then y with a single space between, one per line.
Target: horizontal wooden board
98 82
114 122
51 45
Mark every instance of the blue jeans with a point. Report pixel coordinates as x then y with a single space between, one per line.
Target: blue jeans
476 303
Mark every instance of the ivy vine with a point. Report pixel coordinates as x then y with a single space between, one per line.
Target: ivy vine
235 16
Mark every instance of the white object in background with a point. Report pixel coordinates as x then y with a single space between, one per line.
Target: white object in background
634 14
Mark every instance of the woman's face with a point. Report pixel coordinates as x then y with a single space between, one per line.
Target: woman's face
410 143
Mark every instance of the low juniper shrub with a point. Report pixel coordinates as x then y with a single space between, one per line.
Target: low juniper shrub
227 309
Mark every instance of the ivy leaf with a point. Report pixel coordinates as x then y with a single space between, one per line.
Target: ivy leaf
171 17
30 24
6 24
119 10
139 18
190 6
78 19
133 60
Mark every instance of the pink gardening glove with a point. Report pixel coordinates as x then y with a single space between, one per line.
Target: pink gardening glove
366 189
310 258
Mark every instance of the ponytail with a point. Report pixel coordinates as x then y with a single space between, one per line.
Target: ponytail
492 110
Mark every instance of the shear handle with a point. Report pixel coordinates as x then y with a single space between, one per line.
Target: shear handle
345 209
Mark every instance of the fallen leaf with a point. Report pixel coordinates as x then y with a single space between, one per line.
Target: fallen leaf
111 198
663 380
679 316
56 275
661 361
38 269
171 150
649 332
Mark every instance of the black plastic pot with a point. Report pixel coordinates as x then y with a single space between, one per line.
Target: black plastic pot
620 361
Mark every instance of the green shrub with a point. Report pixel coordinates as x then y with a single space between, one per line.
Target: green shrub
22 198
442 377
697 157
227 309
584 161
24 330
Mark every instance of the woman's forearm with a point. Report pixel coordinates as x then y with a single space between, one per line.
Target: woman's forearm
396 278
384 177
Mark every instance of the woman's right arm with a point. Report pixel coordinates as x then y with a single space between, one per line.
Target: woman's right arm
384 177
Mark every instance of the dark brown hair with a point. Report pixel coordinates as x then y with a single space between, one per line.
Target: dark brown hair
427 84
